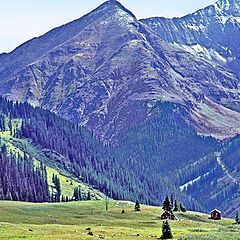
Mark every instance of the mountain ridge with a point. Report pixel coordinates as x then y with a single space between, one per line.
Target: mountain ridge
90 71
26 46
152 106
211 33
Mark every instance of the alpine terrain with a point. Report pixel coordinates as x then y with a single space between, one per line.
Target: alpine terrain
135 109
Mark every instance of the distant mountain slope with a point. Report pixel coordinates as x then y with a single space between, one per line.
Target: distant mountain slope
163 156
219 180
212 33
148 162
125 171
103 70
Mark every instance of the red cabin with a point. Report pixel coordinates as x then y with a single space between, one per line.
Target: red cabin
216 214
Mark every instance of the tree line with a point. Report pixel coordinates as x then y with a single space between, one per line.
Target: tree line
20 180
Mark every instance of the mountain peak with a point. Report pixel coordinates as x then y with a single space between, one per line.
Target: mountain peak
113 4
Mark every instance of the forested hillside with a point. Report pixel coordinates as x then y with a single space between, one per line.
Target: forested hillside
136 167
82 155
164 155
20 180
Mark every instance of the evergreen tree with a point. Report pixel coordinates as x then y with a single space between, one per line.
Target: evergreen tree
56 182
75 194
10 127
172 201
176 206
137 206
166 231
167 204
182 208
89 196
237 220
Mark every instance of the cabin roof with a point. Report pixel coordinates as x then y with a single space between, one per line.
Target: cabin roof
216 210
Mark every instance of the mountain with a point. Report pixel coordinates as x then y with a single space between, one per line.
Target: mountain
105 69
148 110
212 33
142 165
72 151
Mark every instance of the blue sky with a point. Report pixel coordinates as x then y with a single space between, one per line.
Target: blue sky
21 20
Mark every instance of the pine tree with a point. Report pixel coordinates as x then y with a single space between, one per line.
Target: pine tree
89 196
166 231
172 201
10 126
176 206
237 220
182 208
56 182
167 205
137 206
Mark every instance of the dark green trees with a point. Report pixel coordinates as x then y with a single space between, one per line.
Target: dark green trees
137 206
176 206
2 123
237 220
77 195
20 180
167 204
57 185
182 208
166 231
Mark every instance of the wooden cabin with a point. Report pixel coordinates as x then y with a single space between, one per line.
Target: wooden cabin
216 214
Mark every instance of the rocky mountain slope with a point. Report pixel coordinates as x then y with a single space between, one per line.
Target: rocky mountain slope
212 33
106 69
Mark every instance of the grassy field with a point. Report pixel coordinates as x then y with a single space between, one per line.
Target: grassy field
70 221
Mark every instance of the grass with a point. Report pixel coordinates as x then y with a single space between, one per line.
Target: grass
70 221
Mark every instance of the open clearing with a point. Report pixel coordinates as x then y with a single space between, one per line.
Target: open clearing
70 220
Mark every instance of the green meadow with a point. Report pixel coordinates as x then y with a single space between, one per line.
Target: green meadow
74 220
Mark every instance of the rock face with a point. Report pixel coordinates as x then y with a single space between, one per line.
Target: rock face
104 70
212 33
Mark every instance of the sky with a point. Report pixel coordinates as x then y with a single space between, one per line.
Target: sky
21 20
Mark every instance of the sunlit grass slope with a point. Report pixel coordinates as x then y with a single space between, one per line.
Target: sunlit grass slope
70 221
19 146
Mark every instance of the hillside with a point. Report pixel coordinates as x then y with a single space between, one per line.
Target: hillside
70 221
24 147
142 165
68 182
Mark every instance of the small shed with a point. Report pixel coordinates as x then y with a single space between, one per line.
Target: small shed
216 214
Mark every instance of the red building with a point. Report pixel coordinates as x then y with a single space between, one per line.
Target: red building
216 214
